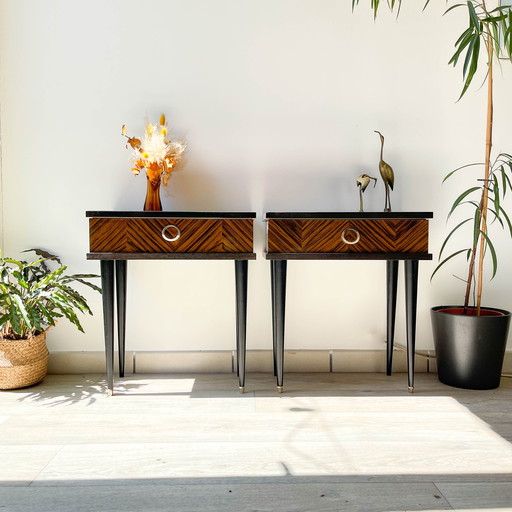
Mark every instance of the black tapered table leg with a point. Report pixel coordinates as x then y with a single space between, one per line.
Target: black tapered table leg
411 299
121 312
241 318
278 317
107 284
274 322
391 291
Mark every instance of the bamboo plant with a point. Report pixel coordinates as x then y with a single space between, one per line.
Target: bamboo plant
488 37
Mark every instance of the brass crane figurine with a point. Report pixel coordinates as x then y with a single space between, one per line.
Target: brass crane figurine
362 182
388 176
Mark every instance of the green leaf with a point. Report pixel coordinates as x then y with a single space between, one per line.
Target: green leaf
473 16
458 169
456 228
503 180
505 215
21 310
460 44
496 194
35 318
496 217
493 254
446 260
470 63
453 7
80 278
4 319
461 197
14 319
477 221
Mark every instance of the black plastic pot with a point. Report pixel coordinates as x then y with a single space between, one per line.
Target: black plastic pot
469 348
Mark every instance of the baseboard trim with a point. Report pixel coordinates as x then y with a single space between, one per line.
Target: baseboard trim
224 361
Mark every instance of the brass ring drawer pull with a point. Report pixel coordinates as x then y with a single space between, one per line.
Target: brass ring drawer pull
175 237
350 242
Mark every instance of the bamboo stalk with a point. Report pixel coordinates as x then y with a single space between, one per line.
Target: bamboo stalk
485 193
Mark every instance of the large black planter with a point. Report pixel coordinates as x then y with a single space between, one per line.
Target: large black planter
469 348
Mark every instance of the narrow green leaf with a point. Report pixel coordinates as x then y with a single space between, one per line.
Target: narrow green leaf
456 228
503 180
496 194
470 63
461 197
476 226
496 36
497 217
505 215
446 260
493 254
453 7
460 44
473 16
469 55
458 169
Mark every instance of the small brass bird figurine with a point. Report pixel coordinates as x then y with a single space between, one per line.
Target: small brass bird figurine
388 176
362 182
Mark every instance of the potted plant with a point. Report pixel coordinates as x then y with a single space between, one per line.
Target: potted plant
470 339
32 298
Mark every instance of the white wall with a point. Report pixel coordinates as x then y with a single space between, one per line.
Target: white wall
278 100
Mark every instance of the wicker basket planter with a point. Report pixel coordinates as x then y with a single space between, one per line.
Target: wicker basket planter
23 362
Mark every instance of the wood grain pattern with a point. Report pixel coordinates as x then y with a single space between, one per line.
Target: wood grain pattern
237 235
324 235
144 235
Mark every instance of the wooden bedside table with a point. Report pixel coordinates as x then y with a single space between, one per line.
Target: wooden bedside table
116 237
349 236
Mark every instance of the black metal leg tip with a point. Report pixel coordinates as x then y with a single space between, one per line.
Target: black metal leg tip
280 389
242 389
410 389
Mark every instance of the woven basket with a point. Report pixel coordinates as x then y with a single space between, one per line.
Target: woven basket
23 362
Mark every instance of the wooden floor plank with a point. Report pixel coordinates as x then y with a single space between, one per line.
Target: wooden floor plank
330 442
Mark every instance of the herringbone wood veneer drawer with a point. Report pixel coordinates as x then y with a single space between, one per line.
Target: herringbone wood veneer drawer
347 235
187 235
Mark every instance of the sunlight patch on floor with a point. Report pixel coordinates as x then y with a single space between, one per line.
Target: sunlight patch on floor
356 436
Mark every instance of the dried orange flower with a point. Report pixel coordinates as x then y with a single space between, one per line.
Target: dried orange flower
155 153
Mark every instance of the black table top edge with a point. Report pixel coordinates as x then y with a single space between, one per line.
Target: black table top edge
170 214
349 215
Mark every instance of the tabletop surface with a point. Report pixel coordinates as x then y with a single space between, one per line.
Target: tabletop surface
171 214
349 215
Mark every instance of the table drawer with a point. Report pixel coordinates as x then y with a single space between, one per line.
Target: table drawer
347 235
166 235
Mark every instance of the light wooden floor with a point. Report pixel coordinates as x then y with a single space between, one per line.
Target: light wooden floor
331 442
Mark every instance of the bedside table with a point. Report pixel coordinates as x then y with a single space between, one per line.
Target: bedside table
349 236
116 237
